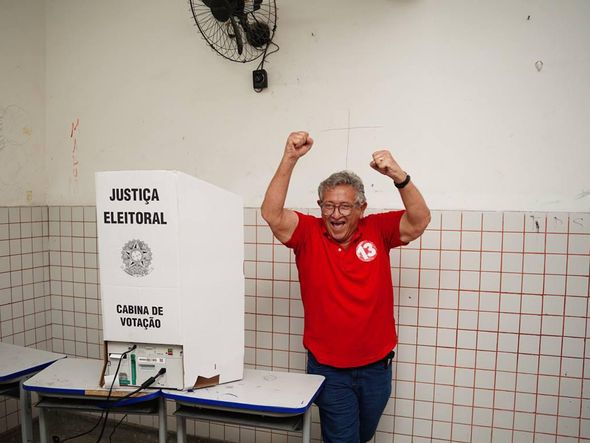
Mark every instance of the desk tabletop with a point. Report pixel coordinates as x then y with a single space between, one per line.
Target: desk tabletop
18 361
259 390
79 377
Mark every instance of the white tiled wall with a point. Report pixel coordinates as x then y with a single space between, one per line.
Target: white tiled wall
492 313
25 316
75 299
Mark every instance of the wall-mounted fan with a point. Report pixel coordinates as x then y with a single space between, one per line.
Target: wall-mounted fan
239 30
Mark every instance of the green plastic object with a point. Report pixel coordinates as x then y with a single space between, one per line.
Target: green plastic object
133 370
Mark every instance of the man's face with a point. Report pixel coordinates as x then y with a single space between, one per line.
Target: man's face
340 226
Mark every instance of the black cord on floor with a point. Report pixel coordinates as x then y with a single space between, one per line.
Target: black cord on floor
104 423
56 438
143 386
116 426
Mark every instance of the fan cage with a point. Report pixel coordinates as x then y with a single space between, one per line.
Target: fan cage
220 36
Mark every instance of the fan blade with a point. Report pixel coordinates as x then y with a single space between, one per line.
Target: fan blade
222 10
239 7
238 35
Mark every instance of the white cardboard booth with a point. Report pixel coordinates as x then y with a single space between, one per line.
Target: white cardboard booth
171 277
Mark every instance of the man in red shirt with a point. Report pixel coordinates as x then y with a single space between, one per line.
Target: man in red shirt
346 287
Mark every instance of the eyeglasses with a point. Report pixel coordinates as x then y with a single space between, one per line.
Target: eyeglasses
343 208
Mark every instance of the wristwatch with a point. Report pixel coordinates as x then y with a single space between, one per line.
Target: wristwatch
403 184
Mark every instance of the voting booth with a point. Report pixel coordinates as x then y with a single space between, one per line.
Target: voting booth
171 278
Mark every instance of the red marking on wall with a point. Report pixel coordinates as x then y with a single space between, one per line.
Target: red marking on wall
73 136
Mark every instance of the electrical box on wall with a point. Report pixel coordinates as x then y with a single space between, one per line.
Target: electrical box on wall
171 277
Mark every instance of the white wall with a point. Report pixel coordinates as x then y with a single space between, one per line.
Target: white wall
22 102
451 87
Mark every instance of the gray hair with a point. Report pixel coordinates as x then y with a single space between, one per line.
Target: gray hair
344 178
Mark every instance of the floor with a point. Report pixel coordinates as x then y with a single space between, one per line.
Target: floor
62 425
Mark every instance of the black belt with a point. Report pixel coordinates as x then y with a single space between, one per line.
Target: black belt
385 361
388 358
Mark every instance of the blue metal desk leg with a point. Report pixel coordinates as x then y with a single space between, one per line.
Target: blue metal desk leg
26 419
307 426
162 420
180 429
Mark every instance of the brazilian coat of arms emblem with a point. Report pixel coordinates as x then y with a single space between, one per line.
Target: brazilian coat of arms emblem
137 258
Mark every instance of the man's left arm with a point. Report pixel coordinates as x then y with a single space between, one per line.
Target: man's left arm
417 215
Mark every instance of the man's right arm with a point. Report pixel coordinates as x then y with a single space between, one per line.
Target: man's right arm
283 221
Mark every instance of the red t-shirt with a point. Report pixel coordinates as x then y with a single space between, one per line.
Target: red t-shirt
347 293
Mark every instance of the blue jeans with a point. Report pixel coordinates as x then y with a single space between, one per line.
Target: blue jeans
352 400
